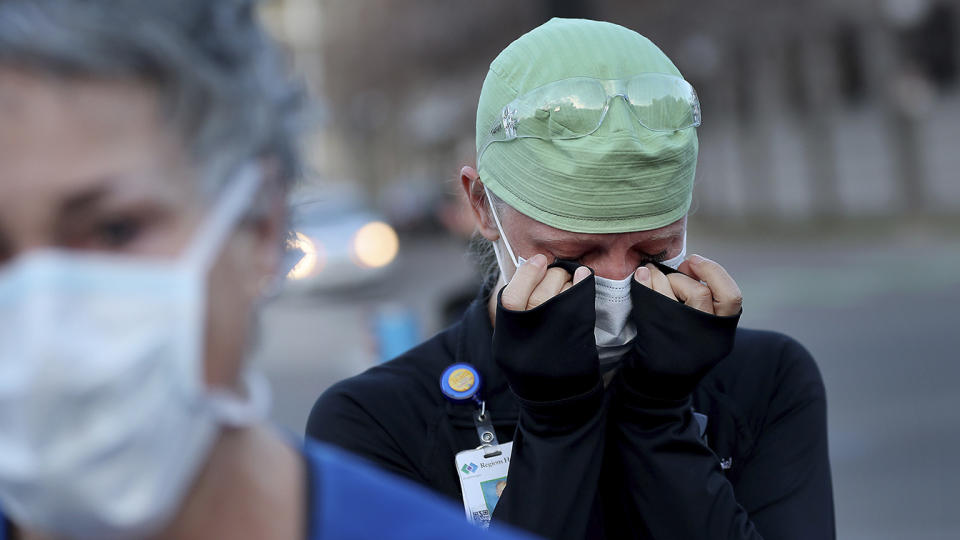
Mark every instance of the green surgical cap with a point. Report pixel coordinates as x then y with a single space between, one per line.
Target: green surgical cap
622 177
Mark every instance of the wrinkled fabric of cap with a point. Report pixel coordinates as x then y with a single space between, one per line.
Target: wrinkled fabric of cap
621 178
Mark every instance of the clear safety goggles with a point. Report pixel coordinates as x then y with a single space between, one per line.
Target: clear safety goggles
575 107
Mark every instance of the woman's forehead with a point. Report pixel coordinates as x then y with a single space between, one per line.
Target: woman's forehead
549 236
82 134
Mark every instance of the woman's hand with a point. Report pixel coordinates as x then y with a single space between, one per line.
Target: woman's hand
700 283
534 284
677 344
543 340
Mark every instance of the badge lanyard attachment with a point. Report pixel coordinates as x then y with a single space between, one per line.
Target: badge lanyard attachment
460 384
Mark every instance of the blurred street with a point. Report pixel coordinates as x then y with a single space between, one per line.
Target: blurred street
876 307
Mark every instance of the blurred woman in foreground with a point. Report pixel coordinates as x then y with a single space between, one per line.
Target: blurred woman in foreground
145 152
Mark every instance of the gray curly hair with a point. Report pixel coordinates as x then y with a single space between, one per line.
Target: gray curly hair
222 81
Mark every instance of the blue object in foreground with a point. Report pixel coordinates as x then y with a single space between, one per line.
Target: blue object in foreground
355 501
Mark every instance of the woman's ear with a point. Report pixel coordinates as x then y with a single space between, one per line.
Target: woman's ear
479 203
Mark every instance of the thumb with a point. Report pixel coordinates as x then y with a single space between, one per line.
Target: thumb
642 276
580 274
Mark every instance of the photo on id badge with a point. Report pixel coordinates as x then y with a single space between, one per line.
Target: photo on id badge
492 490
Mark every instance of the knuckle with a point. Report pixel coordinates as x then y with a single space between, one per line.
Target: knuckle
710 263
733 297
522 271
702 293
537 299
712 269
510 301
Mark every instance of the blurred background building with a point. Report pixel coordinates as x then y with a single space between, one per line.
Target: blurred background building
827 185
811 110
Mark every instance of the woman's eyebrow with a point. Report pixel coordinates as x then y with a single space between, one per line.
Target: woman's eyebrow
664 235
82 201
105 191
564 244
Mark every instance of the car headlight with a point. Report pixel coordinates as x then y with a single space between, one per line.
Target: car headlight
312 262
375 245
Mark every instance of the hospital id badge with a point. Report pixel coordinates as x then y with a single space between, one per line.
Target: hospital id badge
483 477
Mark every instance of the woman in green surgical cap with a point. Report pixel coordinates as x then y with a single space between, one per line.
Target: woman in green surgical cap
603 373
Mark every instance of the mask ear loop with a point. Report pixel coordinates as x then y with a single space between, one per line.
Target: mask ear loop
676 261
234 411
506 243
236 199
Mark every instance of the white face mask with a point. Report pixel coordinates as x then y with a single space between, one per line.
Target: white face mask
105 418
614 330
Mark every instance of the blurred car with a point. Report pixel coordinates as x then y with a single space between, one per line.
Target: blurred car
343 242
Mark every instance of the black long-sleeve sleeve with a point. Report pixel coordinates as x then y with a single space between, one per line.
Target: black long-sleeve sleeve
785 484
338 417
549 358
554 478
673 484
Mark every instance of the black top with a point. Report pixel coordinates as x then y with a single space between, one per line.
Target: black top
623 460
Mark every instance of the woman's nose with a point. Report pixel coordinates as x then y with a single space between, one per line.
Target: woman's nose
612 267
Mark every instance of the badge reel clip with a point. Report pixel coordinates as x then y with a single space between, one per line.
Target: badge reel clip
460 384
482 470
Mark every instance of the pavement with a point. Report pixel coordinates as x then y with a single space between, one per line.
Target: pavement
876 306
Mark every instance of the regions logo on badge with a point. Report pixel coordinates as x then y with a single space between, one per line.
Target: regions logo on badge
469 468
